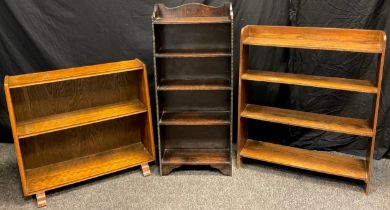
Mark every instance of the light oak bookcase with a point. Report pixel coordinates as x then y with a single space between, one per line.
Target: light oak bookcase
76 124
351 40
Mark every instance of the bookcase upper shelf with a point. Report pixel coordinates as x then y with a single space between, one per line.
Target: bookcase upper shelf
72 73
365 41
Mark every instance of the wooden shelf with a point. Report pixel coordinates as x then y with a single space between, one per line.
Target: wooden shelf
353 40
76 170
193 54
306 159
72 73
196 156
78 118
192 20
175 85
308 120
195 118
363 86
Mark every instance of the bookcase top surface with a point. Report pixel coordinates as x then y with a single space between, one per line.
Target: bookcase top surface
71 73
192 13
337 39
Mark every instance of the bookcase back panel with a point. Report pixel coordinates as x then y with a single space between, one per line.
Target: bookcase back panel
195 100
66 96
199 137
194 68
81 141
198 37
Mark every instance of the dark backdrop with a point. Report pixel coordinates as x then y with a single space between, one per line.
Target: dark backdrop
43 35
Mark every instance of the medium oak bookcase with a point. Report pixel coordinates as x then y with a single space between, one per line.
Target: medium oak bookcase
193 79
350 40
76 124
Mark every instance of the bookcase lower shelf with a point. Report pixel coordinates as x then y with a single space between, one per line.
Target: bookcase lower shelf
216 158
83 168
317 161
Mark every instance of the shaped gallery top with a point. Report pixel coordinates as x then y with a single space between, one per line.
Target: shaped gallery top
79 72
352 40
192 13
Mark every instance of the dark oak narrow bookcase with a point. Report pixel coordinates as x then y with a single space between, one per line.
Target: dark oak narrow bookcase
193 78
76 124
350 40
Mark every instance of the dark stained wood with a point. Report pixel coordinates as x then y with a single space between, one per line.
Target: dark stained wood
192 54
174 158
202 40
306 159
194 69
191 10
363 86
309 120
76 124
352 40
195 118
174 85
192 20
196 157
195 100
195 137
193 78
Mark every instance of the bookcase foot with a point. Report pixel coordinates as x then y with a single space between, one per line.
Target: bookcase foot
239 161
145 169
168 169
41 199
367 188
224 169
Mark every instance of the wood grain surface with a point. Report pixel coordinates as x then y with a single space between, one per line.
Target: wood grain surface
308 120
306 159
334 39
78 118
73 73
79 169
363 86
353 40
75 124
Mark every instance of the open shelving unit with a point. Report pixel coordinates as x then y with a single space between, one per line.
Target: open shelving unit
76 124
350 40
193 79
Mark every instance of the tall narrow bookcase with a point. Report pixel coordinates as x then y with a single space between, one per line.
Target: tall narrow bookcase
76 124
351 40
193 78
